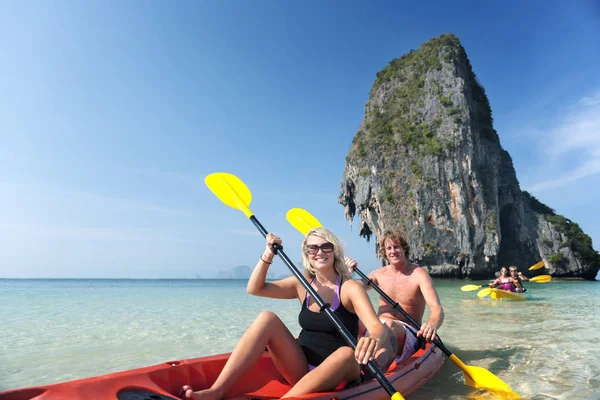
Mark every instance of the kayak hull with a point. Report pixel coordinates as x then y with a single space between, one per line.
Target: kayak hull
164 381
498 294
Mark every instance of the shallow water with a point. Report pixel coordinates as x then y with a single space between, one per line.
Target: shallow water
57 330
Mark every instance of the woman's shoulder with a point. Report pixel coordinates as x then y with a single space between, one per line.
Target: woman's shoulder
350 286
348 281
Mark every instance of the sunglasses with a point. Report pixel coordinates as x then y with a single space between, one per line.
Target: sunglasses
313 249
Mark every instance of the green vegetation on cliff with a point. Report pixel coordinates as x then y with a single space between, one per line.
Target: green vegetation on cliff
579 242
537 205
416 63
399 121
557 258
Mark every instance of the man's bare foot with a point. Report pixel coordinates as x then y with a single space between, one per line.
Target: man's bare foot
207 394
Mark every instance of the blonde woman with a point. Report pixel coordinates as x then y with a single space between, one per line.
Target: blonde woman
319 359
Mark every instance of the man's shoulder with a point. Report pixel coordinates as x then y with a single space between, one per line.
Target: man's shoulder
416 268
419 272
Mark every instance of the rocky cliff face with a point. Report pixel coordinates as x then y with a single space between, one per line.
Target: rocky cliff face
427 158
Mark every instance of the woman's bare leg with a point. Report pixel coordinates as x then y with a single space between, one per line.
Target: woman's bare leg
266 330
340 366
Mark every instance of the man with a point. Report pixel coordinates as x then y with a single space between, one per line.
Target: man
412 288
518 276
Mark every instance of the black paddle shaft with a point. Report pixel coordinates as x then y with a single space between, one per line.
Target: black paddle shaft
326 308
397 306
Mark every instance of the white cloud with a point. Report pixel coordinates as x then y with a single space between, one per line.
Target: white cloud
573 145
592 100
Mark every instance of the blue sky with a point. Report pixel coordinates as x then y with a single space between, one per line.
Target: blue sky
112 113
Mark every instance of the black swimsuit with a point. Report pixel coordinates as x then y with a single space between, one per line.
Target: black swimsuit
319 337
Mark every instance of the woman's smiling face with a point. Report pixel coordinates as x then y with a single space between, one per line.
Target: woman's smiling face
320 252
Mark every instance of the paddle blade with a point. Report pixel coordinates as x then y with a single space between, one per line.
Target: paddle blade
230 190
541 279
302 220
481 378
469 288
484 292
537 266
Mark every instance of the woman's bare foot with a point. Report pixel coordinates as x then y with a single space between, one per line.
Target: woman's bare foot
207 394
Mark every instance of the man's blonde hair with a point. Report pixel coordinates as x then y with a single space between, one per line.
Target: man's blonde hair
396 236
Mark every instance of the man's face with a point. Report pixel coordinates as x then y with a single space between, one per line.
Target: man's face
394 252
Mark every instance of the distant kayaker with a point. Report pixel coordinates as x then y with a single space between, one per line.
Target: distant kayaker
412 288
505 282
518 276
319 360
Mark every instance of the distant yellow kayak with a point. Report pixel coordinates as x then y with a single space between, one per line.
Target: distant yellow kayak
498 294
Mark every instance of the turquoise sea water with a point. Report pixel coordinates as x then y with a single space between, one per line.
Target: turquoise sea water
57 330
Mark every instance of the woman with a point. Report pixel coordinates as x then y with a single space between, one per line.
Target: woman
505 282
320 359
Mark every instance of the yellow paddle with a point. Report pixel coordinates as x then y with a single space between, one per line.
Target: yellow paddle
484 292
477 377
233 192
537 266
469 288
541 279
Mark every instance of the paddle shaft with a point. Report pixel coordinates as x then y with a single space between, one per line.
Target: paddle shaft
326 308
397 306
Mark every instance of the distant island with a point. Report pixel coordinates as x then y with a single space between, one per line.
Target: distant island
244 272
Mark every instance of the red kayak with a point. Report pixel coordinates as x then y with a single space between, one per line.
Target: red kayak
164 381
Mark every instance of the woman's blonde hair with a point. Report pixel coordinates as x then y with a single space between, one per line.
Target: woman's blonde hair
338 251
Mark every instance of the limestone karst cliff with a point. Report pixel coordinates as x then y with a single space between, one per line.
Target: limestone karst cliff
426 158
